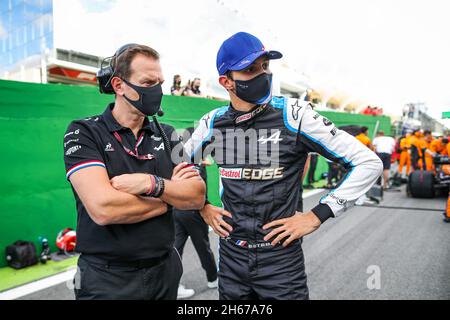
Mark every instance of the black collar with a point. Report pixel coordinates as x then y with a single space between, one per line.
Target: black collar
244 116
113 125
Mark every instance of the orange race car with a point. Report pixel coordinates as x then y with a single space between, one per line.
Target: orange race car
425 183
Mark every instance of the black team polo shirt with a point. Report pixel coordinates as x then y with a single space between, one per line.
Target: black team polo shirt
91 142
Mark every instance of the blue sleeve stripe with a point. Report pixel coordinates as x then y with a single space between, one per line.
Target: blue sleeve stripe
221 189
282 103
286 123
328 150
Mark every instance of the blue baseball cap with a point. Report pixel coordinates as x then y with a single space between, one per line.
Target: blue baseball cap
241 50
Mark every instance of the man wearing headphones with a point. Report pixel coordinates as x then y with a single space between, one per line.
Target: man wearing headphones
125 184
260 249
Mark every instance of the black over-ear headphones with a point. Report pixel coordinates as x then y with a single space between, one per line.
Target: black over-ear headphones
105 74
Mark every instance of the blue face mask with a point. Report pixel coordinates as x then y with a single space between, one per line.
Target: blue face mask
257 90
150 98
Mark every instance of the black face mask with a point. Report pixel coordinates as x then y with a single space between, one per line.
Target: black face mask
150 98
257 90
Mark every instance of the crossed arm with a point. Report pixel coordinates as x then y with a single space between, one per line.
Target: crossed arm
118 201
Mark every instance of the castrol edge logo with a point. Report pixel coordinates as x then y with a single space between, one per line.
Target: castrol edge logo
250 115
251 174
231 173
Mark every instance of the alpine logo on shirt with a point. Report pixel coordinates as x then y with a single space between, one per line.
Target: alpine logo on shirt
161 147
275 138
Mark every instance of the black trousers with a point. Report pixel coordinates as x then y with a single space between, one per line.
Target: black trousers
190 223
415 158
312 167
268 273
96 280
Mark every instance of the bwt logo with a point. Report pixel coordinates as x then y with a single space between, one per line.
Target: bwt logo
339 201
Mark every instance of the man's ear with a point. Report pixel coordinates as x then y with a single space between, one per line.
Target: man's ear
226 82
117 85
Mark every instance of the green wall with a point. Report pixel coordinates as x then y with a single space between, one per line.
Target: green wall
35 198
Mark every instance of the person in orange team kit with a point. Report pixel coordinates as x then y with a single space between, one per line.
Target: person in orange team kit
416 149
424 146
364 139
405 155
446 170
439 146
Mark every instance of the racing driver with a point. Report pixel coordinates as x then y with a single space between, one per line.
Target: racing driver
261 144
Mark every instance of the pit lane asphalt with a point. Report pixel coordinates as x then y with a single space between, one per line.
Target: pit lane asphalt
411 249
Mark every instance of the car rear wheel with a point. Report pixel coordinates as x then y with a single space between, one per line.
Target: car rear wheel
421 184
